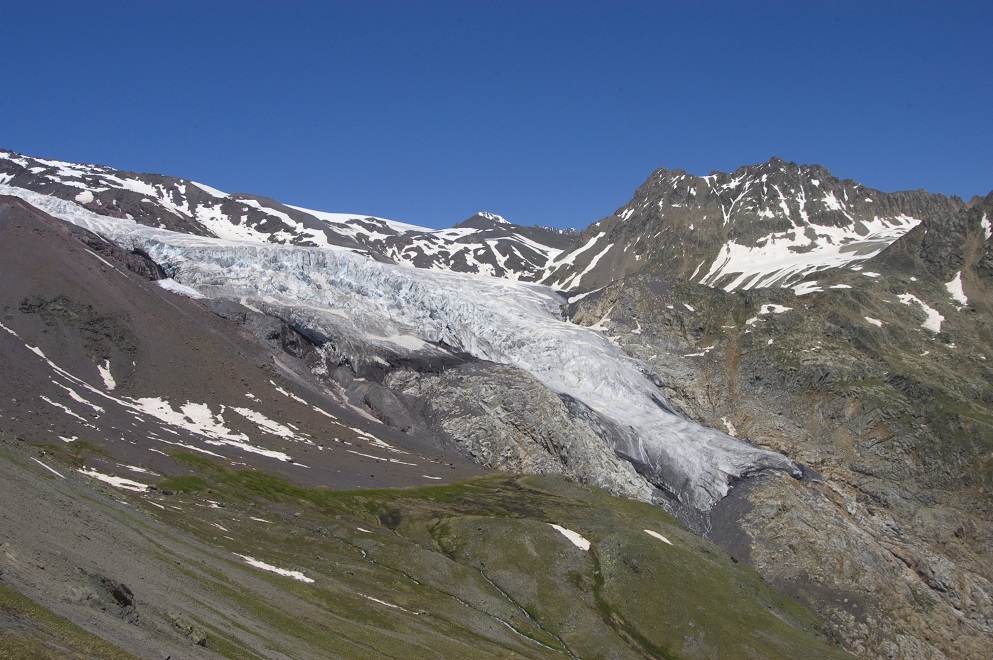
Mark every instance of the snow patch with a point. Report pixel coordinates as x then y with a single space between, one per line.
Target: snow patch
106 375
296 575
349 219
955 290
574 281
783 258
577 539
934 319
170 284
116 482
288 394
74 395
135 468
875 322
383 602
579 296
214 192
570 258
3 327
198 418
768 309
380 458
804 288
494 217
53 471
65 408
658 536
832 202
267 425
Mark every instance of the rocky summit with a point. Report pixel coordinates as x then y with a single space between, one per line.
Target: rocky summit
234 427
764 225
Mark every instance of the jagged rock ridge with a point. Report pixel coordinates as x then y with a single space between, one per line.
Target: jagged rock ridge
762 225
485 244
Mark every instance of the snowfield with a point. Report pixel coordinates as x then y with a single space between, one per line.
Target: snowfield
784 258
381 307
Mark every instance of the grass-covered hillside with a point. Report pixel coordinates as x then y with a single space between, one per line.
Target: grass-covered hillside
245 564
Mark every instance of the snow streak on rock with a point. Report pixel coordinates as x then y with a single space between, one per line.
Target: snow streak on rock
784 258
296 575
361 302
767 225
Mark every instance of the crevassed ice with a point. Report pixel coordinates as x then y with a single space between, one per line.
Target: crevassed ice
343 294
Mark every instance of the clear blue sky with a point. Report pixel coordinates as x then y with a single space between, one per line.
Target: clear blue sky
544 111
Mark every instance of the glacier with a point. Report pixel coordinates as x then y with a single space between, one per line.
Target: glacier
357 301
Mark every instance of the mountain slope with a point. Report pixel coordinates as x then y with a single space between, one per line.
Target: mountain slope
252 566
485 244
842 334
763 225
880 380
94 352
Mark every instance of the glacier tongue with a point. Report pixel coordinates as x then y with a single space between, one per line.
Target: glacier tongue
345 295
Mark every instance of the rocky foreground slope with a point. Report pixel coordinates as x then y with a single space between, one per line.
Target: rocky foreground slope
246 565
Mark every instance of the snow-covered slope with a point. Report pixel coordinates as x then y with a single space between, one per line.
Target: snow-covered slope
485 244
768 225
383 308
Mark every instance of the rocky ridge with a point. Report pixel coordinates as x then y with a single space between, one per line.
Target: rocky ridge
485 244
759 226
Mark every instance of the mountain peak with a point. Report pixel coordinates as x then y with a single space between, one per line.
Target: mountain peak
764 225
493 216
484 220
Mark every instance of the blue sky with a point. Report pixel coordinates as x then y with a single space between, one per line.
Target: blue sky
545 112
